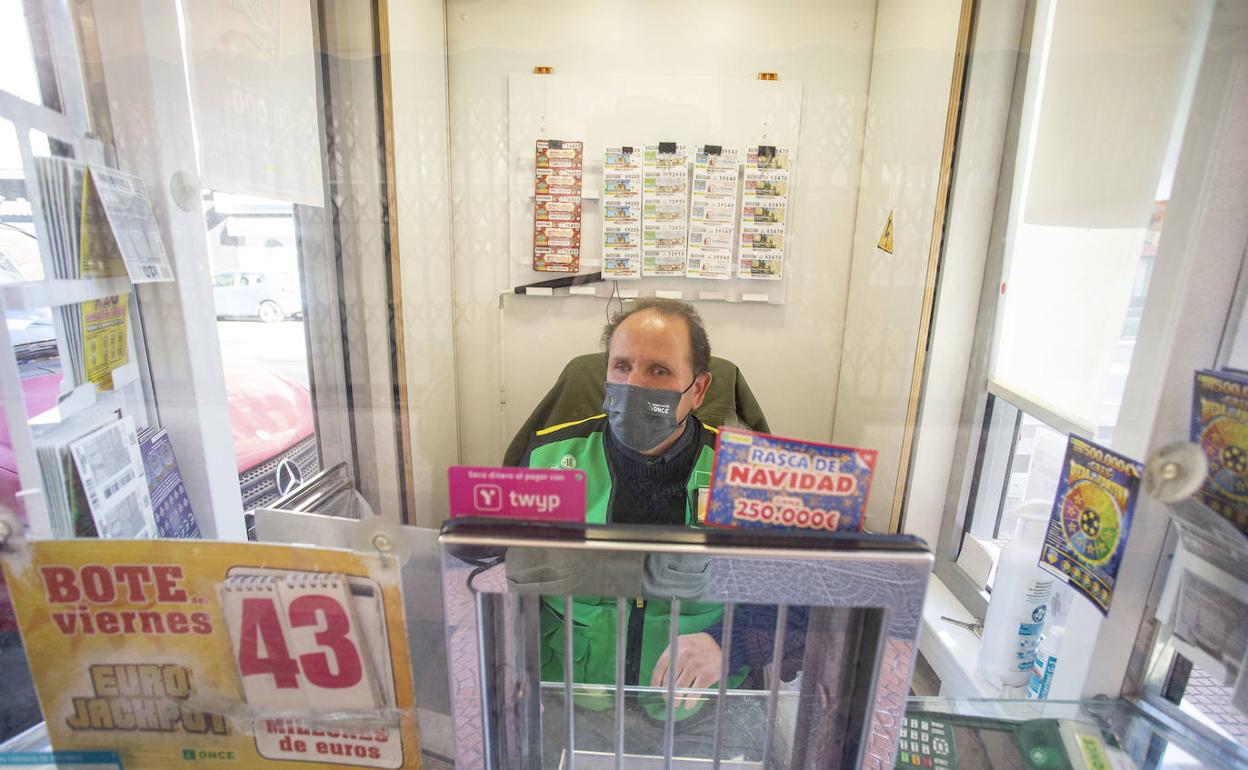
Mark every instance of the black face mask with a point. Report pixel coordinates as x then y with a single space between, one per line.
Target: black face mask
641 418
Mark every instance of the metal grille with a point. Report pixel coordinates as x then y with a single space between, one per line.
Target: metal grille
258 484
861 595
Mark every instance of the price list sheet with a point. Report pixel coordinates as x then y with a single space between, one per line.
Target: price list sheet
621 211
665 223
764 201
557 206
713 212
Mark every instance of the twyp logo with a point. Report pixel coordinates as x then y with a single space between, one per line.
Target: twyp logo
488 497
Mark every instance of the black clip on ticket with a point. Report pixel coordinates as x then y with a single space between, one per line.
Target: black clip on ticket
667 147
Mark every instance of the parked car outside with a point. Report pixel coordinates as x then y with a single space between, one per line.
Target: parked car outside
271 297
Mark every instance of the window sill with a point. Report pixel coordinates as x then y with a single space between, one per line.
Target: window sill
952 651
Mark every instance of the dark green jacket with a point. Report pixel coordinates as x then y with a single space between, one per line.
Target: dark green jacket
579 445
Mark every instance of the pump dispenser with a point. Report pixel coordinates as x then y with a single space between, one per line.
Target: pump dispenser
1019 603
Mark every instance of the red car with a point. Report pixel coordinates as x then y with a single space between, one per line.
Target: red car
270 419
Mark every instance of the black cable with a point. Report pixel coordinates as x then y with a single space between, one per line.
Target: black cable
481 567
11 226
615 294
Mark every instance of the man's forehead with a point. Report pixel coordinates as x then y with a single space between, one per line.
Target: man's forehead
653 334
646 323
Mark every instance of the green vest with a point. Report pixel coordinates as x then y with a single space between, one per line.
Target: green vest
579 445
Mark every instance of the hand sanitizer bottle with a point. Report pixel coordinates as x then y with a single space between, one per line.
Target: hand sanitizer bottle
1017 608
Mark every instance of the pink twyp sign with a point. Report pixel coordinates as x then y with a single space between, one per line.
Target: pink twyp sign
532 494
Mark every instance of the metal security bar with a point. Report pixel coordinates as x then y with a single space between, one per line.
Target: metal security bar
818 636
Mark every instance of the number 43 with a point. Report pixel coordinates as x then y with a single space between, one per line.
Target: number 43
262 647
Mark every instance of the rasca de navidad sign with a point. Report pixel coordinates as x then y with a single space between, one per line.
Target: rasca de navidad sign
767 481
532 494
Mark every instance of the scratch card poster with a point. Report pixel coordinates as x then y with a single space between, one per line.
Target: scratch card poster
768 481
1091 520
1220 427
245 654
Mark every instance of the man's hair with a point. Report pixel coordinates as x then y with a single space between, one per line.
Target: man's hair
699 344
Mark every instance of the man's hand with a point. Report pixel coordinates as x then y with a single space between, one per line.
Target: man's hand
697 666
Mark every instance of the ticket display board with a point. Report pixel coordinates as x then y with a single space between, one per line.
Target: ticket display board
245 654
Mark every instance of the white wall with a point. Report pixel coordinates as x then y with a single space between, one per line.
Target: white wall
911 74
509 352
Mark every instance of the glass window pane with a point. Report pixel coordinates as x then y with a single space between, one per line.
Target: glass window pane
1086 215
18 74
258 295
1034 470
19 249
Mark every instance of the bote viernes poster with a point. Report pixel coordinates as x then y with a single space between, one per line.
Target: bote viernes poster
242 654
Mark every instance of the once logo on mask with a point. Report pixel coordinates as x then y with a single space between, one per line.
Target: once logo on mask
660 408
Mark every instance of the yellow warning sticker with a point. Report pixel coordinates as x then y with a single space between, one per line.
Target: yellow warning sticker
886 239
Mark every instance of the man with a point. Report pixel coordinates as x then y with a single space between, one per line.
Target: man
646 461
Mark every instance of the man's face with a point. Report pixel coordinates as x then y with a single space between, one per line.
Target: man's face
652 351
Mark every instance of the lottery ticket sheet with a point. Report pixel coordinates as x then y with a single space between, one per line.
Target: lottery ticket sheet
621 211
764 200
713 212
557 206
665 198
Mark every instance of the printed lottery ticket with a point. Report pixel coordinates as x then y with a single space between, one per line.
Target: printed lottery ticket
621 211
764 201
557 206
129 212
713 212
665 196
111 468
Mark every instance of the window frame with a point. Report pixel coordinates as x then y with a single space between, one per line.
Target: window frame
966 477
1191 292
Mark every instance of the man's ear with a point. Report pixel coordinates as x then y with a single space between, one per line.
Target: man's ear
701 384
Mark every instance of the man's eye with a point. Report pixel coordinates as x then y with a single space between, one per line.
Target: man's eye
659 372
621 367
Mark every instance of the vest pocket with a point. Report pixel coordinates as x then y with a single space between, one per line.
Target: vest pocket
680 576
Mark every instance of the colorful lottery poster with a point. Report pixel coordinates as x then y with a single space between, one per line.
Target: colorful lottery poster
621 211
665 209
104 338
1091 519
170 503
764 199
1220 427
557 206
768 481
245 654
713 212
